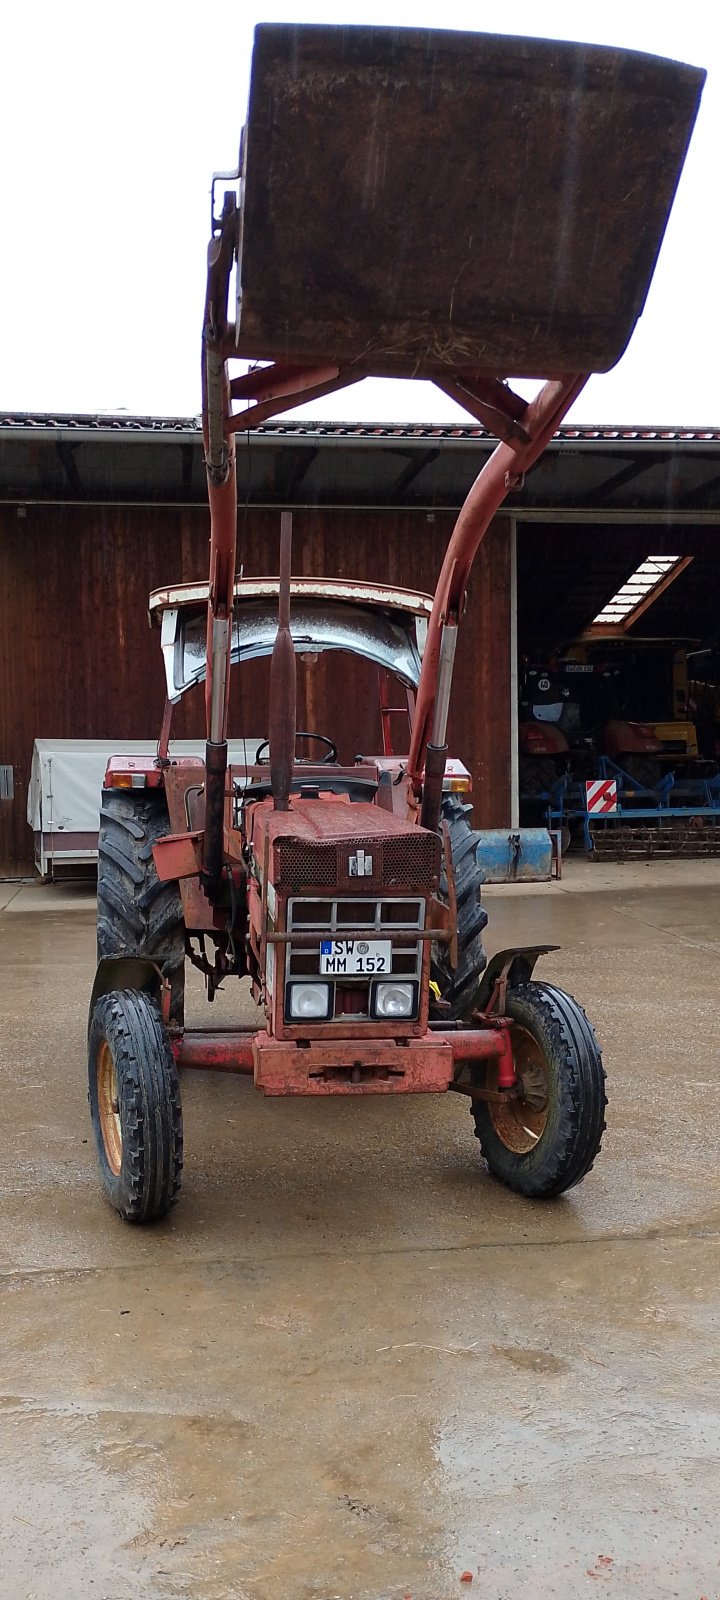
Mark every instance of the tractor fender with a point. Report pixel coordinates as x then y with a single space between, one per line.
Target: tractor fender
626 738
124 972
541 739
520 965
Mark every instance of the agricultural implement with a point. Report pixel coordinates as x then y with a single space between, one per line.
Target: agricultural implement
628 787
621 817
456 207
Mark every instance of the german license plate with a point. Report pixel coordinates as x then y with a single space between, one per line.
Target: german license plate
355 956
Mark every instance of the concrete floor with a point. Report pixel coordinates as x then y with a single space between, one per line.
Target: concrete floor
351 1364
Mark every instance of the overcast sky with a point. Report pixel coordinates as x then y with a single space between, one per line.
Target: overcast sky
113 117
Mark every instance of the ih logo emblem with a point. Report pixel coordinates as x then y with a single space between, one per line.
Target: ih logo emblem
360 865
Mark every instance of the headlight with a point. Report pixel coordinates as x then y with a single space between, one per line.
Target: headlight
308 1002
392 1000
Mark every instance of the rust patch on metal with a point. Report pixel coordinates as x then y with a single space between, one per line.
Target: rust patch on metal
359 1066
109 1108
520 1121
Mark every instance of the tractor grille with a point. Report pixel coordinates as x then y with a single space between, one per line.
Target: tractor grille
404 861
374 919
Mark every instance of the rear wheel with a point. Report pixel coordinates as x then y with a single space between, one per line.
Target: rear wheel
134 1095
645 770
545 1141
537 776
459 987
137 914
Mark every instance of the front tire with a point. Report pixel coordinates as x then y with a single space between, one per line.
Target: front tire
134 1095
545 1142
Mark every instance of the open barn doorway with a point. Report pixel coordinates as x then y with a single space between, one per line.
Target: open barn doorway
618 666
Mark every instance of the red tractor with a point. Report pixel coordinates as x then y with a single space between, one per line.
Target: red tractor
564 728
470 210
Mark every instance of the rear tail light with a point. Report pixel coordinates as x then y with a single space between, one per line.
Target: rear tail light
128 780
457 785
133 780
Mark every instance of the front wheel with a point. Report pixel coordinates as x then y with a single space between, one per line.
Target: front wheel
134 1095
546 1140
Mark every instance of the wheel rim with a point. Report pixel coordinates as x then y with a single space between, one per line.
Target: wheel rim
109 1108
520 1123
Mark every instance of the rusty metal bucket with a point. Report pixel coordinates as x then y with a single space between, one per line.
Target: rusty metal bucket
419 201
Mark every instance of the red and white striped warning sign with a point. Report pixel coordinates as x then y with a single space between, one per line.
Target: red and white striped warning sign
601 797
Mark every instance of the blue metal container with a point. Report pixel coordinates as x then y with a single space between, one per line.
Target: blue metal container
515 855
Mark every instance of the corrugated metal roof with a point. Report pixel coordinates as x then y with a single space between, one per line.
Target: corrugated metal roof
102 422
602 470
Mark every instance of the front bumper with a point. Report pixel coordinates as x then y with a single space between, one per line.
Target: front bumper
347 1066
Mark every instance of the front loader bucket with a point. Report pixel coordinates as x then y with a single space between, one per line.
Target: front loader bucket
419 201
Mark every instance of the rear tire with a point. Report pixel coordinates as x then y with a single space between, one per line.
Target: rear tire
645 770
547 1141
138 915
537 776
459 987
134 1095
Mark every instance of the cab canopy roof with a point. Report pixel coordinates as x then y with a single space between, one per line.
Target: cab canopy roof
381 596
385 625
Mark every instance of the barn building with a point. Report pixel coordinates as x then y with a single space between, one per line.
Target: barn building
97 510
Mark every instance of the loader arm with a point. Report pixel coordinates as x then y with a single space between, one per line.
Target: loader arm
219 446
376 260
503 472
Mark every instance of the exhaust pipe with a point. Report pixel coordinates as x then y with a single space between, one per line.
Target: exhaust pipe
436 752
435 759
283 682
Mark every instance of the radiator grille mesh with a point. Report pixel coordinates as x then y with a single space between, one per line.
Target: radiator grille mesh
411 861
405 861
298 864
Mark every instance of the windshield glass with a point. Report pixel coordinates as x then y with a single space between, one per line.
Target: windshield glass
390 641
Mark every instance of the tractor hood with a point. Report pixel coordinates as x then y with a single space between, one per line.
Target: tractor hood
353 848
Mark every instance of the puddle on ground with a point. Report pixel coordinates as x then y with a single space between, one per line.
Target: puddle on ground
531 1360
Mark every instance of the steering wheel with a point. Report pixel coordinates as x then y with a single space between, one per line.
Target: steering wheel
327 760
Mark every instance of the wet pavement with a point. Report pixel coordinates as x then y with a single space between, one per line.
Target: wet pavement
350 1364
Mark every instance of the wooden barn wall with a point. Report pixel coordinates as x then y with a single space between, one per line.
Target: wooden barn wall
78 660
